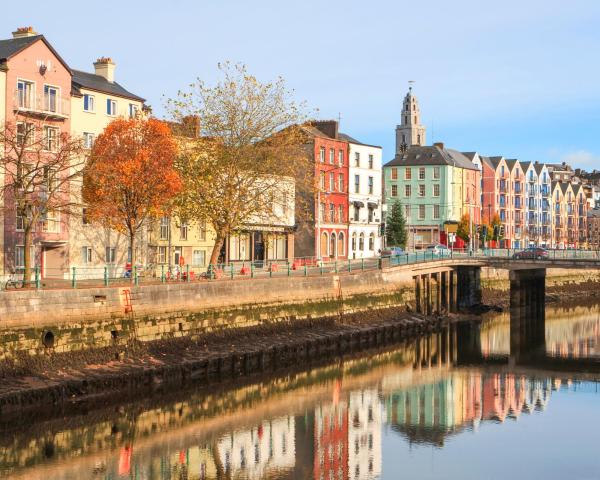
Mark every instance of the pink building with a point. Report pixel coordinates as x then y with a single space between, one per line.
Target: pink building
36 94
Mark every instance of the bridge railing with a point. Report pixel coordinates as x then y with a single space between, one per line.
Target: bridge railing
552 254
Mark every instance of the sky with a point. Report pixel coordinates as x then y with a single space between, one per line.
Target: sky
513 78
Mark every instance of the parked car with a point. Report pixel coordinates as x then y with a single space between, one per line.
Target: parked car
392 252
531 253
438 249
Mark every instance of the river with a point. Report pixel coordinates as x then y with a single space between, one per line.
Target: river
415 411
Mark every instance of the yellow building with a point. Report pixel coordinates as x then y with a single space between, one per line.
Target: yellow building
173 243
97 99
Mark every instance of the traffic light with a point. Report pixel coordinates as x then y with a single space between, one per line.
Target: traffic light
484 231
501 230
496 231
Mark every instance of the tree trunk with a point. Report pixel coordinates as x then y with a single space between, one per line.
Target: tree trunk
27 255
214 256
132 250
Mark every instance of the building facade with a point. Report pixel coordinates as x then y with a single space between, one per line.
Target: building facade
364 199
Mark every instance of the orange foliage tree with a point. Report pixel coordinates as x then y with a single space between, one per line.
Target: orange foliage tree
130 177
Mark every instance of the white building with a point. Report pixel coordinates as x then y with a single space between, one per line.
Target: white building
365 198
364 435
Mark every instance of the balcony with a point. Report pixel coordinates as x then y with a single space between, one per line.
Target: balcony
45 106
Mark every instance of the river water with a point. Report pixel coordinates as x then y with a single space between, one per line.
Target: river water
417 411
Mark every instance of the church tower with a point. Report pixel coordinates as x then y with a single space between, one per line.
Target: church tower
410 131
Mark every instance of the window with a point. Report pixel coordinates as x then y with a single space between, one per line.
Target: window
361 242
20 222
133 110
25 91
354 241
322 175
341 250
25 133
162 255
50 138
356 183
407 173
164 228
322 212
436 189
341 157
436 212
407 191
372 241
371 161
110 255
436 173
51 222
183 231
322 154
331 212
341 182
111 107
199 258
20 256
86 255
50 180
421 190
202 228
331 182
370 185
88 102
394 190
84 217
50 98
341 213
421 212
356 213
394 174
421 173
331 156
370 215
357 159
88 140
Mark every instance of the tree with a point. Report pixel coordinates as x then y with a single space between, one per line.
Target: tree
495 225
464 228
396 227
131 176
38 164
243 159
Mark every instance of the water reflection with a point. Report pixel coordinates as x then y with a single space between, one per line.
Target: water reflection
334 422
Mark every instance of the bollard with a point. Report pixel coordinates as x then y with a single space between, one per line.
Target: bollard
187 272
335 266
163 279
135 276
74 279
38 283
305 270
321 267
231 271
362 264
251 269
349 266
105 276
271 271
288 269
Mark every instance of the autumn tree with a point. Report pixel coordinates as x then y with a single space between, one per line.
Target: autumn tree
38 164
243 159
396 234
131 176
495 225
464 228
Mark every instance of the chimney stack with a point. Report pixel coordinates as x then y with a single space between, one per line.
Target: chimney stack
24 32
105 67
328 127
439 145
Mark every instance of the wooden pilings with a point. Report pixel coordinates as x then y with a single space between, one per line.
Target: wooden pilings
436 292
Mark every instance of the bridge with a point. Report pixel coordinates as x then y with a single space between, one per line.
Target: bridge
450 283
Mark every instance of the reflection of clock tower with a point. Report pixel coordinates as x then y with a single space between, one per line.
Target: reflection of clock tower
410 131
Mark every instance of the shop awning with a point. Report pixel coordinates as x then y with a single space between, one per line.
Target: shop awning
358 204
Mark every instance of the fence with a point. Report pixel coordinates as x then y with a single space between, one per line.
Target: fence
111 275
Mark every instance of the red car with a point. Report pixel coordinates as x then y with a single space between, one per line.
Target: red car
532 253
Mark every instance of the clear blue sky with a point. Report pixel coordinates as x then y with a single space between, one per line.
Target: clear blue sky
517 78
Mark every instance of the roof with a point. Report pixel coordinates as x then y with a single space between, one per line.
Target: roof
487 161
431 155
99 83
595 213
539 167
470 155
347 138
12 46
512 162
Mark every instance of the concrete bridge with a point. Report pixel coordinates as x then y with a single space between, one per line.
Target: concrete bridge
454 284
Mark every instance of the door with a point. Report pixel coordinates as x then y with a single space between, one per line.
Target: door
258 249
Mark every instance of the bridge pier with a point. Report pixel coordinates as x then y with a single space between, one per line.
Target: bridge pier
468 286
436 292
527 312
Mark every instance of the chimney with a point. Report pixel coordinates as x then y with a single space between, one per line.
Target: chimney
24 32
328 127
439 145
105 67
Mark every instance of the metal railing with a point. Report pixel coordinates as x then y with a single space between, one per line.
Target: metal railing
112 275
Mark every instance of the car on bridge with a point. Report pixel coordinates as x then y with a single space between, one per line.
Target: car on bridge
531 253
439 249
392 252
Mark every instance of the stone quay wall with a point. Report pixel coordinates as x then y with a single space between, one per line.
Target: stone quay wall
43 321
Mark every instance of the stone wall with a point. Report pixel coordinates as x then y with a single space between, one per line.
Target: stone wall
66 320
497 279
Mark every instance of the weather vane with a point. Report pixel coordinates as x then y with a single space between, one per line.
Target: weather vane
410 84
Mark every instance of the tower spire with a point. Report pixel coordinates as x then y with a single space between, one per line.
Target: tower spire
410 131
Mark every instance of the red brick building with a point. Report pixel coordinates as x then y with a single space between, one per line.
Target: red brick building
324 235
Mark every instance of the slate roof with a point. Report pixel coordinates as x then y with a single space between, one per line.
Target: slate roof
538 167
487 161
470 155
98 83
431 155
12 46
512 162
347 138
